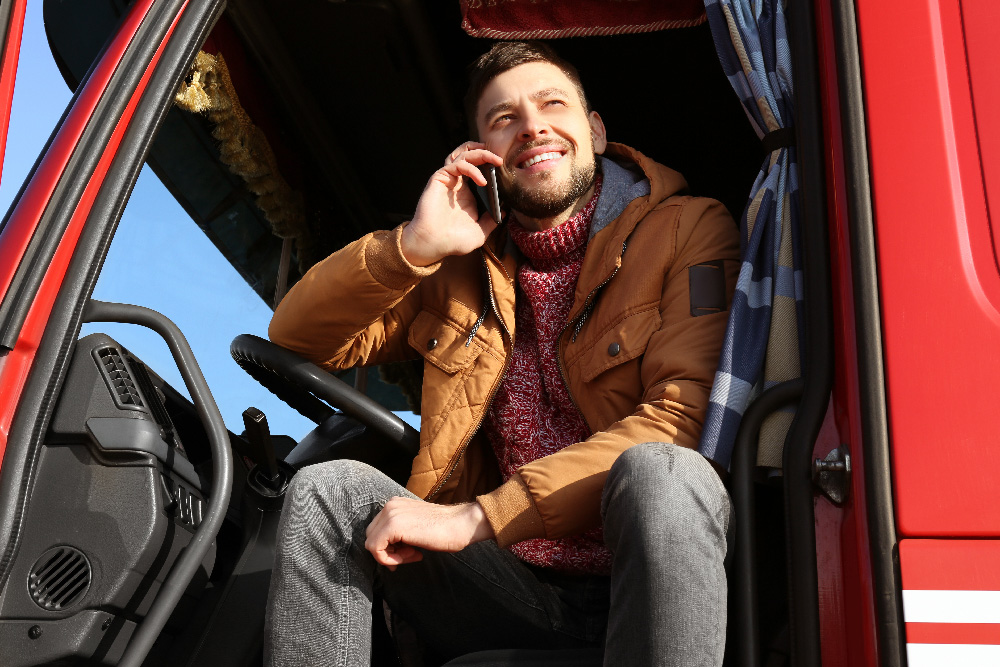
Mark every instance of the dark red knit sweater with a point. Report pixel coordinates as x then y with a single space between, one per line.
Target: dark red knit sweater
532 414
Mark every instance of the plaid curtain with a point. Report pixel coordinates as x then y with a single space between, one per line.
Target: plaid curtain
762 346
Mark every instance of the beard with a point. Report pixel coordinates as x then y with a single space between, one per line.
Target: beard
546 199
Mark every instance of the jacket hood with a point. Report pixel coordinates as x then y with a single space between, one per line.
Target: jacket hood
628 175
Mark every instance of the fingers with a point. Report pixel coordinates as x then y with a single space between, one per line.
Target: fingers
451 175
467 146
401 554
473 152
467 169
383 541
397 554
468 165
481 156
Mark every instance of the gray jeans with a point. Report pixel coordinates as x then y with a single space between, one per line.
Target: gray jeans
666 514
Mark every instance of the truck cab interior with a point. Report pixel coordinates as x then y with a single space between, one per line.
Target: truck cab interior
333 116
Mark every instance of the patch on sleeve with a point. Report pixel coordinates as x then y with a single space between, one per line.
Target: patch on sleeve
707 288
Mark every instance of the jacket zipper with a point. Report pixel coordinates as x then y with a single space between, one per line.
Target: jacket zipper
493 390
577 324
588 304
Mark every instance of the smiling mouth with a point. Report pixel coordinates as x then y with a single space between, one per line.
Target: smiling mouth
554 155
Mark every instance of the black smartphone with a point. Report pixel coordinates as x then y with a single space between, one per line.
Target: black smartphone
488 196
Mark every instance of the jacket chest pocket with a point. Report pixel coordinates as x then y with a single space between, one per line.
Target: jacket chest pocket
442 343
614 345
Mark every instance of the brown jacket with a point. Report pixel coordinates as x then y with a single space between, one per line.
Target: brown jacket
636 359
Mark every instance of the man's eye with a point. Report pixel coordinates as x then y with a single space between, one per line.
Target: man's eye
499 120
554 102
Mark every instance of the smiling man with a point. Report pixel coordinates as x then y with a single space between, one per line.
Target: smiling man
556 501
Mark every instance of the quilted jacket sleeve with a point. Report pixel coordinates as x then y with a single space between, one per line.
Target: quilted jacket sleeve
559 495
319 317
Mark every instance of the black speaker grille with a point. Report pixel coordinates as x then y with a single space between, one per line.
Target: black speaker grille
59 578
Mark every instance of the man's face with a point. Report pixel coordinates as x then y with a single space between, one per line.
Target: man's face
533 118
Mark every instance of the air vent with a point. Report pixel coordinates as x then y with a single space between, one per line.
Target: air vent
59 579
117 375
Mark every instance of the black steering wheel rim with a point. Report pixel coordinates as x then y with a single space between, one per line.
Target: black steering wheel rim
308 389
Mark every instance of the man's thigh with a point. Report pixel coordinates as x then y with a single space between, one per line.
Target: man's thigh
484 598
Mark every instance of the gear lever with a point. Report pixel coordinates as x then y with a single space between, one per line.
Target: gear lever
262 449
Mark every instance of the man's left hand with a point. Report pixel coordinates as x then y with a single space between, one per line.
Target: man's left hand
405 524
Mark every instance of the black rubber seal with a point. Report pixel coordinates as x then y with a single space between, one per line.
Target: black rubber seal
817 370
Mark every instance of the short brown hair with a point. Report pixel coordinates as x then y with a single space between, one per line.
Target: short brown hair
505 56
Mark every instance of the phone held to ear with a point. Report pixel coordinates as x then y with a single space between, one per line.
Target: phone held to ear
488 196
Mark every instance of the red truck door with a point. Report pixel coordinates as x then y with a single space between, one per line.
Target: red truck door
935 142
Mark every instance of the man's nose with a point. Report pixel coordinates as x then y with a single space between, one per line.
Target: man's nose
532 126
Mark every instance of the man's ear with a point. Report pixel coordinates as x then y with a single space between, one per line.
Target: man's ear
598 133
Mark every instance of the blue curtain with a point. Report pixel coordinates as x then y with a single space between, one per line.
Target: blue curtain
762 345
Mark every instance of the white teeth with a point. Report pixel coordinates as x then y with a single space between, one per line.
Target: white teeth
539 158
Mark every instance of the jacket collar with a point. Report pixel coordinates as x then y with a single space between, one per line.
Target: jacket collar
633 185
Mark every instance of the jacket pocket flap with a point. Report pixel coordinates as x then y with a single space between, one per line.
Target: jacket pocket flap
622 342
442 342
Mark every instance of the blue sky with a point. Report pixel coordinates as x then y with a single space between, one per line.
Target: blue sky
159 257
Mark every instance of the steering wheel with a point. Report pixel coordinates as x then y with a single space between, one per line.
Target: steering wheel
308 389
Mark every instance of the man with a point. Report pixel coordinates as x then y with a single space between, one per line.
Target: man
556 500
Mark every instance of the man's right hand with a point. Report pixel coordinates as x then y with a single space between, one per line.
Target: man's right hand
446 221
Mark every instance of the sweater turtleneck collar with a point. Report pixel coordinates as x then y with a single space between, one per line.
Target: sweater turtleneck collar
560 241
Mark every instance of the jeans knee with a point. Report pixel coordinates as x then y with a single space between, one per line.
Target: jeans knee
320 479
335 488
658 483
642 471
326 504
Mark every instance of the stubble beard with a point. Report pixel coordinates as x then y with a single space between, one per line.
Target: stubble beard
545 202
